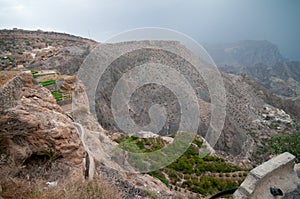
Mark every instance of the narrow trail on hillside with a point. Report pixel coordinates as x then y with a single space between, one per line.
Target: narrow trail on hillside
89 162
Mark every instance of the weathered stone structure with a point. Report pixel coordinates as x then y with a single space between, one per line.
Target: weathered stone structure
280 173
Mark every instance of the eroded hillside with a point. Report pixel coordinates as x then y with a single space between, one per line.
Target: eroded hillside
43 50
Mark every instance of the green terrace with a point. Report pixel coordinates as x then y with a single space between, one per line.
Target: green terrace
47 82
57 94
36 74
203 175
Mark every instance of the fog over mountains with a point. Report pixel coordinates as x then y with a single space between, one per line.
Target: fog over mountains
245 53
260 60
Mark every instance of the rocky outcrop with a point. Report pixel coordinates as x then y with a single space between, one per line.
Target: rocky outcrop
34 130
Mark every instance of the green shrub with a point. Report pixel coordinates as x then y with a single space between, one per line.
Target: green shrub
11 59
198 143
285 143
160 177
268 118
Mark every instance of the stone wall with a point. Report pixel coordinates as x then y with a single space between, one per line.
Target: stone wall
279 172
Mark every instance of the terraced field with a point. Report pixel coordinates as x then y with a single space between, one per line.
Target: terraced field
190 173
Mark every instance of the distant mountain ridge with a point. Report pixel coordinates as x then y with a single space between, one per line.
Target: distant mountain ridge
260 60
245 53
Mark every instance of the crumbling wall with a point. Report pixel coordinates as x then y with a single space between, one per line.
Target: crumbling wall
279 172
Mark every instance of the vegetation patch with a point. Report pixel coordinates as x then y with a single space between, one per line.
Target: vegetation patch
209 185
160 176
57 94
278 144
207 175
48 82
36 74
141 145
203 175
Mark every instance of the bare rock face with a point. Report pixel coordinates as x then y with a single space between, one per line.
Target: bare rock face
34 127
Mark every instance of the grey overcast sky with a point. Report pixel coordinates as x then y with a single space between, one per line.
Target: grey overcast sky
209 21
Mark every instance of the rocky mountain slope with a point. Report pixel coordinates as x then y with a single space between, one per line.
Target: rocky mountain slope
262 61
42 148
245 53
246 101
43 50
280 78
245 98
35 129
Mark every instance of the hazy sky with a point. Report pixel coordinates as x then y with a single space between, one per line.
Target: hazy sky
204 20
